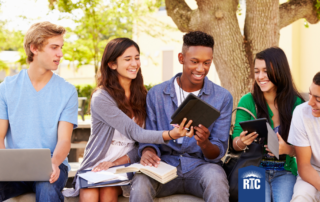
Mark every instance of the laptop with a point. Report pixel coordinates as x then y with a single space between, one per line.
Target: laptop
25 164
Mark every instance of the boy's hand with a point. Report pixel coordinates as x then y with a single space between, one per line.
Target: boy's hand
201 135
149 157
55 173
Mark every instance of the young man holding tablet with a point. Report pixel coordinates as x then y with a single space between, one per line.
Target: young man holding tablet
305 136
39 109
198 159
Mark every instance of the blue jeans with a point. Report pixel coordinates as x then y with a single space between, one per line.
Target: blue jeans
45 191
207 181
279 186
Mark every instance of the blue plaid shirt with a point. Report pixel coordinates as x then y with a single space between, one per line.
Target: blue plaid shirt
162 103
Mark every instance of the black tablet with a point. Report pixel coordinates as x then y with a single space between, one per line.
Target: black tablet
197 110
257 125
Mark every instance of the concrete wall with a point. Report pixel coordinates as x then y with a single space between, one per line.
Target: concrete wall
302 47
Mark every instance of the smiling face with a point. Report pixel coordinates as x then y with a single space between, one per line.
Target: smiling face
49 56
196 62
127 65
314 99
261 77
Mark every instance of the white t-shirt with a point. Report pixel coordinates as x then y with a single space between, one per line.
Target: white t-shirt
181 95
305 132
119 147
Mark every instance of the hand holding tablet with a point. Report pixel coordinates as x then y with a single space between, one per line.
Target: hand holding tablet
258 125
263 129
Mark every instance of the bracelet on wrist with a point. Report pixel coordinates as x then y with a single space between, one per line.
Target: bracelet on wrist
170 135
246 147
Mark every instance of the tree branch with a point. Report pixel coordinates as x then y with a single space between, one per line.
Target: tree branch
297 9
180 13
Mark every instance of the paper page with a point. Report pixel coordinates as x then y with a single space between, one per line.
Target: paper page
112 170
161 170
102 176
273 141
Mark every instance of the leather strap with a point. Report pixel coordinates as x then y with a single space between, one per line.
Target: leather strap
244 109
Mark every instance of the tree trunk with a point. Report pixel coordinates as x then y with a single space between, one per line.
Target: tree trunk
233 52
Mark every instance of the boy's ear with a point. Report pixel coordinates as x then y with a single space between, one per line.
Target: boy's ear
112 65
33 49
180 57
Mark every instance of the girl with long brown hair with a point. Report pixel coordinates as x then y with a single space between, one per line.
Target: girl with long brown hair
274 97
118 114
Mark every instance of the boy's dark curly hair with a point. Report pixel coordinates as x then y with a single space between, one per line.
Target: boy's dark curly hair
197 38
316 79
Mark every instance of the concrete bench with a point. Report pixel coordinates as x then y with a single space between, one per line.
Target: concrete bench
174 198
75 166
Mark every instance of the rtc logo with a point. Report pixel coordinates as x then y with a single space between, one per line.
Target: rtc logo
251 180
251 184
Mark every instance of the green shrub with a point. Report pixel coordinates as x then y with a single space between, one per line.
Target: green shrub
148 87
86 91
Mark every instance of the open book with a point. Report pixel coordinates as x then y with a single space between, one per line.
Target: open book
163 173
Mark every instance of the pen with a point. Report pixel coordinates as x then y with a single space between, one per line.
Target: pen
177 126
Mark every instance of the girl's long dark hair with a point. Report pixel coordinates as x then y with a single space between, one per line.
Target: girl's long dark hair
108 80
279 74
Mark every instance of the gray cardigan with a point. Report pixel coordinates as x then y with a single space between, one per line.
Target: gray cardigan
106 117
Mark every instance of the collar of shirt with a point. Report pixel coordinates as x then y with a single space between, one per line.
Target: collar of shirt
170 90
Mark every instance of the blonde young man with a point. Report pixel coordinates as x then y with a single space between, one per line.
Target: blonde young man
305 136
38 109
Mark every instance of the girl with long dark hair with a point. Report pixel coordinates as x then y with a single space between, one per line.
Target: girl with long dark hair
274 97
118 111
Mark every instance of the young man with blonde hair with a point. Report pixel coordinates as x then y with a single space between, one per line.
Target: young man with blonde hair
38 109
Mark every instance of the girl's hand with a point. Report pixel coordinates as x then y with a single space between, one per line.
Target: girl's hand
248 139
176 133
284 148
269 152
105 165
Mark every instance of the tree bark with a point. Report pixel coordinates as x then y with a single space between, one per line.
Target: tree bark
218 18
297 9
233 52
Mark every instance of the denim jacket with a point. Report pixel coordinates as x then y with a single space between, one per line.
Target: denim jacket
162 103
